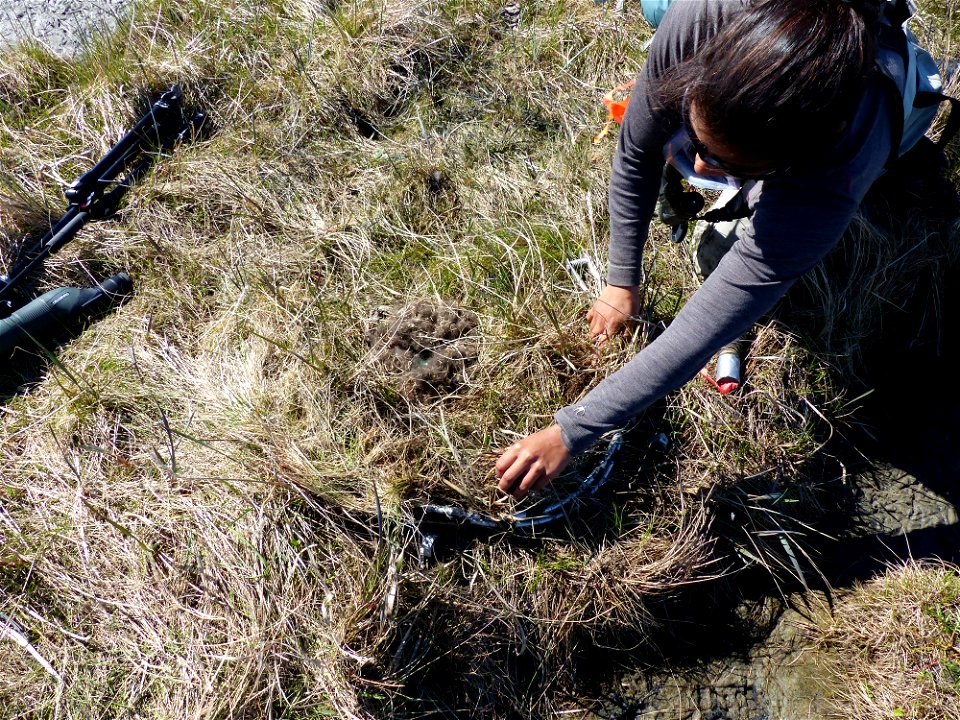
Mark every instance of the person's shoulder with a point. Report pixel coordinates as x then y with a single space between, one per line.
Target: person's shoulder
706 11
870 137
858 157
689 23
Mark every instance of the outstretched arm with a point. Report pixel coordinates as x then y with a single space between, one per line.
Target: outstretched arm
796 222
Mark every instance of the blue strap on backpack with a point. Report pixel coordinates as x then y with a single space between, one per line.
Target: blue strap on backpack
654 10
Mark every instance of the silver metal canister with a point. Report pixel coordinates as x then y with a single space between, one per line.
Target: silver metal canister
728 366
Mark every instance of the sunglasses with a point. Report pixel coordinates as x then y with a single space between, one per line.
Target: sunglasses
704 152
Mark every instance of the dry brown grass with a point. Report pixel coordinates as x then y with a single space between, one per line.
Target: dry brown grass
189 497
891 646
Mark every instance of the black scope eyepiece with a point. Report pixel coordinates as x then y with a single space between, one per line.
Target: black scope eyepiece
58 312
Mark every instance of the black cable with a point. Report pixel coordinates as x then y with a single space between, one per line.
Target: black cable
433 519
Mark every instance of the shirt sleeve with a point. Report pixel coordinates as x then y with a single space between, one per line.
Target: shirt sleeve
638 162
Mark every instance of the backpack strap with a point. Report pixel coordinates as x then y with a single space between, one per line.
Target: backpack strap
895 96
894 67
897 11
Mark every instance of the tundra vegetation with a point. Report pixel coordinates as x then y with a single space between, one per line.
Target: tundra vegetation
351 291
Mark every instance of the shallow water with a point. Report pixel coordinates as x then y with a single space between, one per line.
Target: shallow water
743 648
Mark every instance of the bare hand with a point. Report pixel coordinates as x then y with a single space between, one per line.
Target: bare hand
615 310
533 462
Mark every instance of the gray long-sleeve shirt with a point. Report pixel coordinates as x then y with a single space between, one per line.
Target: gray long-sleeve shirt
798 217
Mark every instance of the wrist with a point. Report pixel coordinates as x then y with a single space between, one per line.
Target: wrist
575 439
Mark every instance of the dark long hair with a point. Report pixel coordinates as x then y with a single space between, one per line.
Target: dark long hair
782 79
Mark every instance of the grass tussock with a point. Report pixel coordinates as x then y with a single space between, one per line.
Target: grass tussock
350 293
890 646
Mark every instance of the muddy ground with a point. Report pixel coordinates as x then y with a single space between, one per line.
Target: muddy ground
743 649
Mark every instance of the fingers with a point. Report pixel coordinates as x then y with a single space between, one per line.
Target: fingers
509 469
612 312
536 476
533 462
506 460
522 473
602 329
606 323
541 483
596 322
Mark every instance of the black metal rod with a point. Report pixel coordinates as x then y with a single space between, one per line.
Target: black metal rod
151 127
61 233
87 196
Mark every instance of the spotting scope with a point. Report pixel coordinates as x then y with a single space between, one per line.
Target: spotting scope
57 313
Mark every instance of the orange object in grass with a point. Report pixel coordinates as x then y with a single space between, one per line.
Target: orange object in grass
615 109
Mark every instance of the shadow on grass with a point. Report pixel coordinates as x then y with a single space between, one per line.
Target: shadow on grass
910 421
905 435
